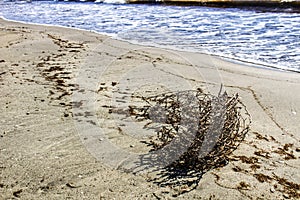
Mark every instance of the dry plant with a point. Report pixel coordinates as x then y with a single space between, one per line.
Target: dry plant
200 128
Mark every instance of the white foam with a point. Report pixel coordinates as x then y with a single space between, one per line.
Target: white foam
115 1
268 39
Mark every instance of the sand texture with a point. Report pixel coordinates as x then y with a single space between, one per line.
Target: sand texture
58 137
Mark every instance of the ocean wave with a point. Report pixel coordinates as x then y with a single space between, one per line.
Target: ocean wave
267 39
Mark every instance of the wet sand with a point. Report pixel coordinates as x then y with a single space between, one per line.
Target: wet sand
57 85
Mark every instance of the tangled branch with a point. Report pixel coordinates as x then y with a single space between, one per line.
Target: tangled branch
200 128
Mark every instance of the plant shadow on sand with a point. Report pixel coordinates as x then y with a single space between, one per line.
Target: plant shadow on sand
195 132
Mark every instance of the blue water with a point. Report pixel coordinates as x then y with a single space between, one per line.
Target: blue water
270 39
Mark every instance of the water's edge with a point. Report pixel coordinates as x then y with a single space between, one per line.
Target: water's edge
256 38
228 59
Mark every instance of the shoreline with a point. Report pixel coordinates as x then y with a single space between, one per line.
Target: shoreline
58 86
239 61
229 59
226 3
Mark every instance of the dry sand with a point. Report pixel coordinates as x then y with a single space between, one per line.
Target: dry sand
48 146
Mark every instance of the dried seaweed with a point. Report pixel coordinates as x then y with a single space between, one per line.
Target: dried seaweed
200 129
292 189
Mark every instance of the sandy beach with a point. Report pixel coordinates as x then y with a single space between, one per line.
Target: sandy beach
58 85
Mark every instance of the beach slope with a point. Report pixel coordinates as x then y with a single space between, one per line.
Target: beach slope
47 72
